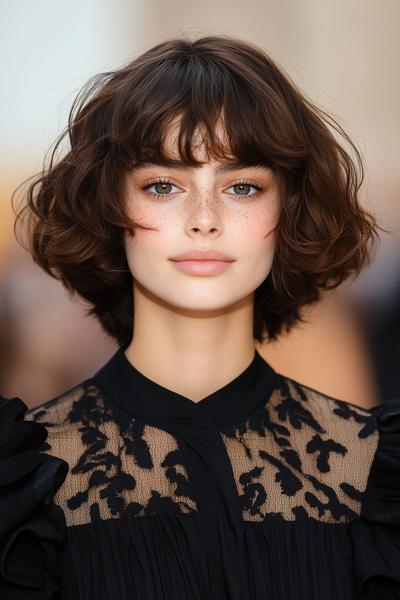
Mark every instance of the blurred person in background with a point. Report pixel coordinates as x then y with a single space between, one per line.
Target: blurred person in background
380 317
187 418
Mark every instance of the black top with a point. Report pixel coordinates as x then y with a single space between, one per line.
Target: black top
122 489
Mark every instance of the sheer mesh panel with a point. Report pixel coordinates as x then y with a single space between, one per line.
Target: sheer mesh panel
118 465
303 455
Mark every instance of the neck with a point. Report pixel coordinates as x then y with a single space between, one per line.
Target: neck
190 352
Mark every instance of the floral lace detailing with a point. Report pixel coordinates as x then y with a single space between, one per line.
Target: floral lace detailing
304 454
118 465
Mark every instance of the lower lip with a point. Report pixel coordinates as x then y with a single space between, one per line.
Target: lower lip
202 267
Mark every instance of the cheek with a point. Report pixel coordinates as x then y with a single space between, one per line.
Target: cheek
255 244
145 244
255 229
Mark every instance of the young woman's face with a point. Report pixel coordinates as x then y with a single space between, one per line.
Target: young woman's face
206 208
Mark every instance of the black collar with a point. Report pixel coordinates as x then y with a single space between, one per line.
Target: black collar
156 405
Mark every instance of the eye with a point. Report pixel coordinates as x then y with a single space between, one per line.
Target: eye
162 188
243 188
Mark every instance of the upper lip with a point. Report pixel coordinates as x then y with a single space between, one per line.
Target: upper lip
203 255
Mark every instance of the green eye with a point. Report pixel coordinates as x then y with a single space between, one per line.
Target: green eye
162 188
243 189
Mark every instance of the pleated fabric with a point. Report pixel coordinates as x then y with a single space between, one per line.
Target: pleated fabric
160 557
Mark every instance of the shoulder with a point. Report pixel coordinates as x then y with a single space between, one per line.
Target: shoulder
66 415
339 433
326 413
364 441
79 423
117 464
335 441
54 410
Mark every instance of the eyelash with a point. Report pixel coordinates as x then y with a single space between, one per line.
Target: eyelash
258 189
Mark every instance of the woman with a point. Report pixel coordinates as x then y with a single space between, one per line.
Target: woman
204 201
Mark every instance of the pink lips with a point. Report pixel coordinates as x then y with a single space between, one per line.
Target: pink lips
202 267
202 255
202 262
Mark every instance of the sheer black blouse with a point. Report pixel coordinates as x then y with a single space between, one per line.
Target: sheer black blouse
120 489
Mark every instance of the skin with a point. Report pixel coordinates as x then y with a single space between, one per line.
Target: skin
194 334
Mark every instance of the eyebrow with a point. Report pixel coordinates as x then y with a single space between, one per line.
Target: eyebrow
225 167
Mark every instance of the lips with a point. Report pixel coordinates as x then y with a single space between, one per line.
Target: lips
202 267
200 255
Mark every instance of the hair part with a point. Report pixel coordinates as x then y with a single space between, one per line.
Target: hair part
75 206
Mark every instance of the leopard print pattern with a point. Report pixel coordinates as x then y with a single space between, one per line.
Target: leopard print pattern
116 465
304 454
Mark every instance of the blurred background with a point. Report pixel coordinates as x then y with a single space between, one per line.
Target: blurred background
343 54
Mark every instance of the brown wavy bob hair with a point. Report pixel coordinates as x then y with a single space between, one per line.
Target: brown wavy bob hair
76 209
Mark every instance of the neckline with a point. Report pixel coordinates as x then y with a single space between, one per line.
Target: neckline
157 405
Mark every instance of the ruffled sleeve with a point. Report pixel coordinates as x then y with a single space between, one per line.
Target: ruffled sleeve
376 534
32 527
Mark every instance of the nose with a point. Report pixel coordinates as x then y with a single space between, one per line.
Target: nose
204 217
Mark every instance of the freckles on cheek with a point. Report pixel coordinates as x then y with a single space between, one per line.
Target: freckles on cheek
149 217
255 226
165 227
162 230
